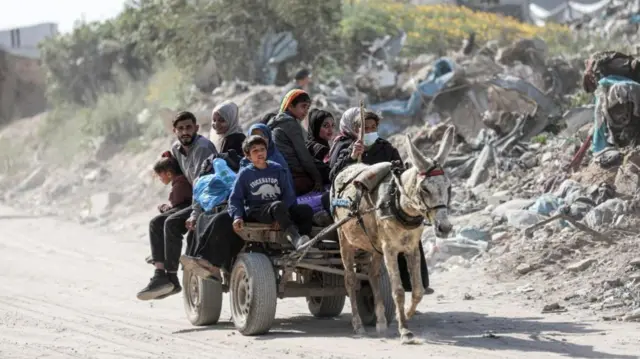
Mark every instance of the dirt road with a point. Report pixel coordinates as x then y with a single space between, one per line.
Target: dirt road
68 292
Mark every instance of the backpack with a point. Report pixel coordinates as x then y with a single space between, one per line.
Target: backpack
607 63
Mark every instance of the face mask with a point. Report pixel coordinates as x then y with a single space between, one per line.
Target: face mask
370 138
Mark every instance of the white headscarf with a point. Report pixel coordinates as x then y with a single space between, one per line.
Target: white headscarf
228 110
349 120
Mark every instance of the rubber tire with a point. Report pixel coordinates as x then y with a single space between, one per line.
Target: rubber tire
327 307
264 296
208 310
364 299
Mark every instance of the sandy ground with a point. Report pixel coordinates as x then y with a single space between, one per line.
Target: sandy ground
67 291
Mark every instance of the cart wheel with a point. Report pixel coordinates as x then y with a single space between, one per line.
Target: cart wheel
364 298
253 294
202 299
327 307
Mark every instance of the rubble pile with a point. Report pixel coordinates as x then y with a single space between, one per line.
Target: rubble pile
543 191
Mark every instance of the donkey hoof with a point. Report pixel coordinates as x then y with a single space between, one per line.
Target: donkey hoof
408 338
360 332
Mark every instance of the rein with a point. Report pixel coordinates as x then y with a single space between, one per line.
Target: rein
434 171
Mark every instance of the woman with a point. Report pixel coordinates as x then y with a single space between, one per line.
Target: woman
373 149
345 138
290 141
320 133
321 125
215 241
273 154
226 133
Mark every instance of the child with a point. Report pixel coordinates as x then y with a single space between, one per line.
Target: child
263 193
289 138
168 170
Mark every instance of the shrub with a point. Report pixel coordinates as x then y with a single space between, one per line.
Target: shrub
434 28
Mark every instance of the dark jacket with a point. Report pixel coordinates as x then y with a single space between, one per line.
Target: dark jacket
381 151
231 151
232 142
181 191
289 137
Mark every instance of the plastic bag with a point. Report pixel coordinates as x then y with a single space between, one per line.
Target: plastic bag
211 190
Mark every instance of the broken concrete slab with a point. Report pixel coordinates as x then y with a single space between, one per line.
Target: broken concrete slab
581 265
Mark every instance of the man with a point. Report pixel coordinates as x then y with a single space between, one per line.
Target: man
166 230
302 81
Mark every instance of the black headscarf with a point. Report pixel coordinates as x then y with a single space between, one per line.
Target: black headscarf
317 146
316 119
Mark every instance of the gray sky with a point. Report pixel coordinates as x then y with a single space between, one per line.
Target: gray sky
64 12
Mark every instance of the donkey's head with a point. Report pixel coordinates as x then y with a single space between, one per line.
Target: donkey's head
427 185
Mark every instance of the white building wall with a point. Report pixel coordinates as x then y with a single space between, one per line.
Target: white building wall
24 40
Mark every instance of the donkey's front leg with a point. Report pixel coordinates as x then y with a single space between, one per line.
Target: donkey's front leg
347 251
375 271
417 289
391 261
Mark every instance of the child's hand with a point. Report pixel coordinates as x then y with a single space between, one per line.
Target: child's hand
164 207
238 224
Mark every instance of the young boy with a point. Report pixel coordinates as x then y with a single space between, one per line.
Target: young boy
262 193
168 171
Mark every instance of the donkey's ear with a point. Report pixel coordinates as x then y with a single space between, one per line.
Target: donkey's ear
446 145
415 157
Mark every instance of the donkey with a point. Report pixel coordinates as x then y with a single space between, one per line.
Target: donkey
420 191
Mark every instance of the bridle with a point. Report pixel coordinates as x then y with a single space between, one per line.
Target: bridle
421 203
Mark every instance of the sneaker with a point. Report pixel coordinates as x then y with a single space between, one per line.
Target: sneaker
176 286
159 286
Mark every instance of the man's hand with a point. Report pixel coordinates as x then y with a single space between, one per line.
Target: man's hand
238 223
357 150
164 207
190 224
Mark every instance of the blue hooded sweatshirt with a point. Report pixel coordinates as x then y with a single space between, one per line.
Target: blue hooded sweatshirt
272 151
256 187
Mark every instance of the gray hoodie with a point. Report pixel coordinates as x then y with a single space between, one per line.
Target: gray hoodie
289 137
191 162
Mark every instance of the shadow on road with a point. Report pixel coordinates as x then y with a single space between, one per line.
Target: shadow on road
464 329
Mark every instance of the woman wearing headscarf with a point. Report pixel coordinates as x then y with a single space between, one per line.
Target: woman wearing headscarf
345 138
373 149
215 241
288 135
319 135
273 154
226 132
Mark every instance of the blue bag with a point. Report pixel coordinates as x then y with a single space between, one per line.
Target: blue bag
211 190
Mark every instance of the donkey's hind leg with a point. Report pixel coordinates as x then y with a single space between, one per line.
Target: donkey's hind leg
347 251
375 271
